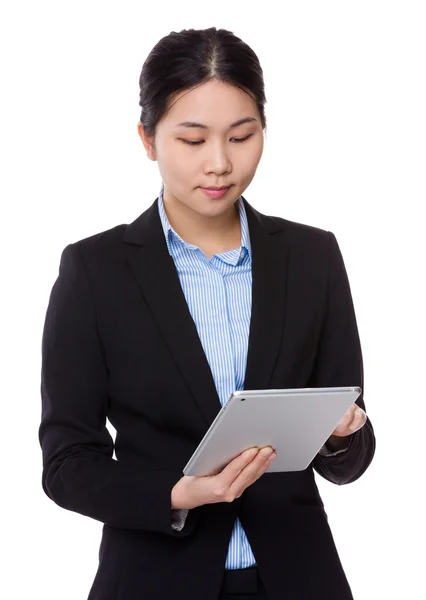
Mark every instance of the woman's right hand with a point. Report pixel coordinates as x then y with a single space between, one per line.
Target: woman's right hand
192 491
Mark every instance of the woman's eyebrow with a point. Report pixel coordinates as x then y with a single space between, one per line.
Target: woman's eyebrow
200 125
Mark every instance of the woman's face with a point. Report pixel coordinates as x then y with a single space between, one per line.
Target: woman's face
219 159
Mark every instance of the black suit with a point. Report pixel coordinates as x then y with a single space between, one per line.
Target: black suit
119 341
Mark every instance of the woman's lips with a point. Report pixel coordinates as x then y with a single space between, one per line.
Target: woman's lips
215 193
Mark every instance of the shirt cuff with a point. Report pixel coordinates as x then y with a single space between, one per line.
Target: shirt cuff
324 451
179 518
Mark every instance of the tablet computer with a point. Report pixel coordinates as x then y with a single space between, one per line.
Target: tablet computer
296 422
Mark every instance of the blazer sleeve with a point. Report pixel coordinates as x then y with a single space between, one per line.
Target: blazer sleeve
339 363
79 472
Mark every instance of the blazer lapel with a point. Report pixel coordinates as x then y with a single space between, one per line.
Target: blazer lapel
157 277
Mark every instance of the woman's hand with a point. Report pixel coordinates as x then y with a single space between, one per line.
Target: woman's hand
239 474
353 419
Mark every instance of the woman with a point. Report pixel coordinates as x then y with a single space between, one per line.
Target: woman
155 323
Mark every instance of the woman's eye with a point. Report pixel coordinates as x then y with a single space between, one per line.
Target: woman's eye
237 140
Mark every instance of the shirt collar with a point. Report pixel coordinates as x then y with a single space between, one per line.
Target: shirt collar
169 231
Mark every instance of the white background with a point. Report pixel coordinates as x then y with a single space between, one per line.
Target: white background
345 151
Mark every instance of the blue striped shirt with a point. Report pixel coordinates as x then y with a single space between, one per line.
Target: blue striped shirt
218 294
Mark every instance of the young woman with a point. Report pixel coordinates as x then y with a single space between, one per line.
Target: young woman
153 325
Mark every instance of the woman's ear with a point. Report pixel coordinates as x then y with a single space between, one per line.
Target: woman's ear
148 142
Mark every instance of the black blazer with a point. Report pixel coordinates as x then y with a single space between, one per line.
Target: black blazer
119 342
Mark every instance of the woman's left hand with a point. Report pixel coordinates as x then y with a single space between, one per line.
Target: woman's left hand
353 419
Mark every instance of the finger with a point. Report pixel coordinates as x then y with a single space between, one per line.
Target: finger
266 463
346 419
234 468
358 421
252 471
242 482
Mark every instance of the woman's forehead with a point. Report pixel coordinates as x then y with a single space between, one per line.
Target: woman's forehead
211 104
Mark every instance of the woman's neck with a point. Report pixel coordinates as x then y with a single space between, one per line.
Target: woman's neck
211 234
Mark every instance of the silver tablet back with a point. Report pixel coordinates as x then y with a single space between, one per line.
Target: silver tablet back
295 422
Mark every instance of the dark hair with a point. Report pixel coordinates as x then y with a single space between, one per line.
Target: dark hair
182 60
